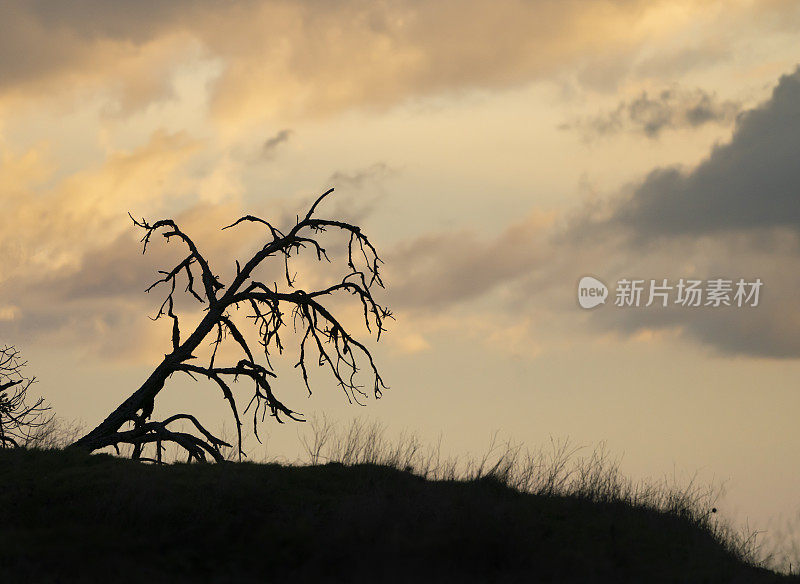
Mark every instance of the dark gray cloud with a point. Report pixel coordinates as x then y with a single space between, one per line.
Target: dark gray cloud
736 214
362 177
272 143
773 332
753 181
670 109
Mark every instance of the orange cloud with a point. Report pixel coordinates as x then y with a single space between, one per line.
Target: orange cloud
312 58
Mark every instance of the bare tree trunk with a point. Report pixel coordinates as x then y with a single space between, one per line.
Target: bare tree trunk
143 398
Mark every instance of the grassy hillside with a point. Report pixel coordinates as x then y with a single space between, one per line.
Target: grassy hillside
70 517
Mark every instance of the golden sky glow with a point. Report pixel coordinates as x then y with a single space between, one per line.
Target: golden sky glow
495 152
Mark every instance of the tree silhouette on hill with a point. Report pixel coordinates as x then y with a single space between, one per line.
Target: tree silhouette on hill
321 334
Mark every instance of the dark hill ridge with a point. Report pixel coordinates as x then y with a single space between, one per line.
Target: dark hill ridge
70 517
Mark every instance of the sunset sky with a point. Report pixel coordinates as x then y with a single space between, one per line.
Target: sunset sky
495 153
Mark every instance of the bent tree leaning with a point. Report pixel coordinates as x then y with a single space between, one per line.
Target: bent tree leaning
319 331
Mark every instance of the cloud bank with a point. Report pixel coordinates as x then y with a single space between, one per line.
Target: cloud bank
751 182
736 214
312 58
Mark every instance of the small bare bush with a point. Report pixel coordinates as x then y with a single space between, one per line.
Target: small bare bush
20 415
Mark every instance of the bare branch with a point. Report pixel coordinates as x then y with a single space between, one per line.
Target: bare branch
170 229
276 234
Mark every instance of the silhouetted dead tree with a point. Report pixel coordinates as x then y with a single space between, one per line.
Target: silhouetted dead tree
19 419
319 330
